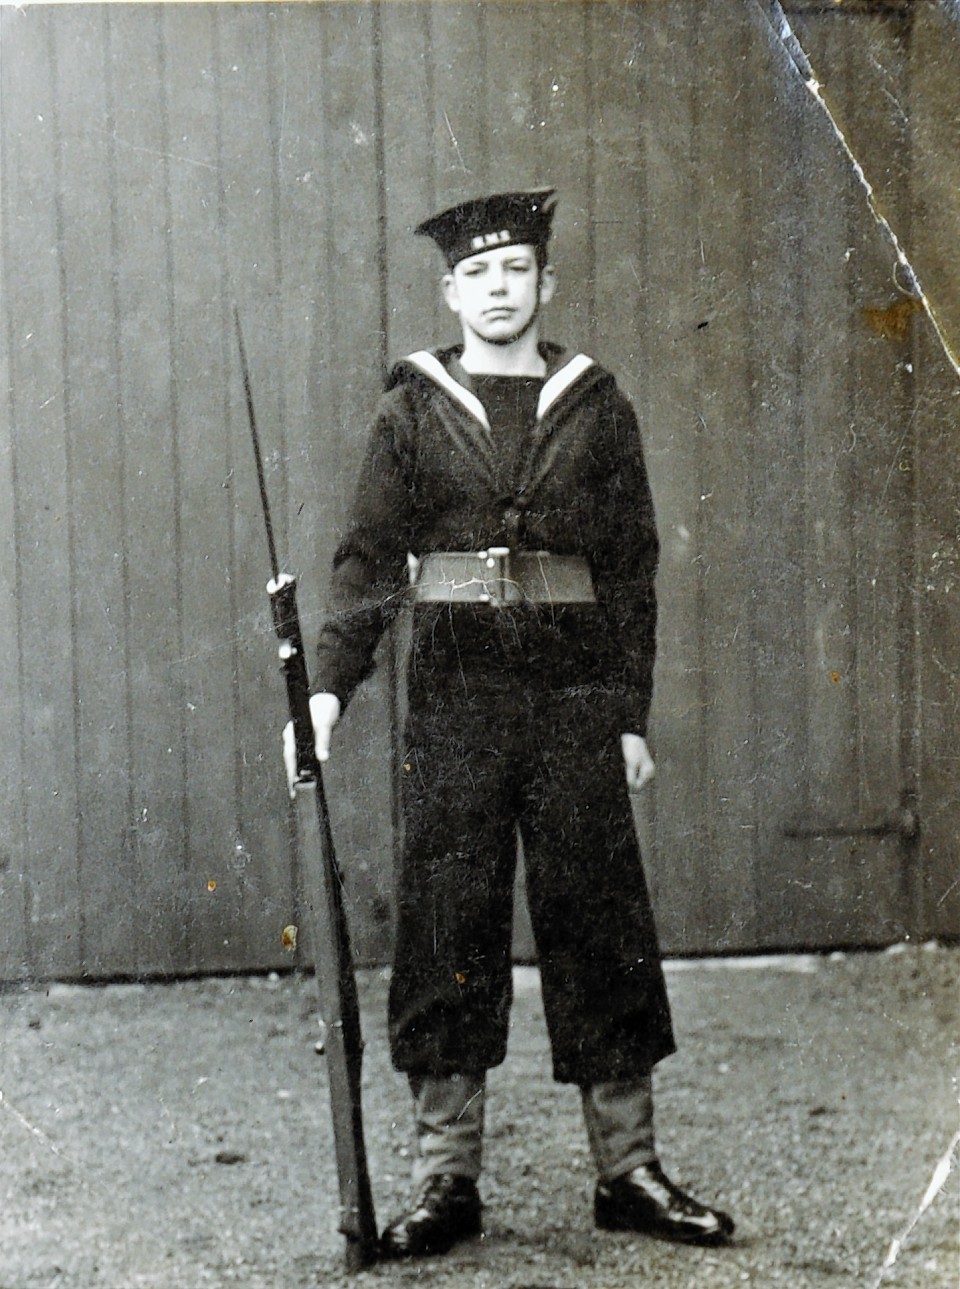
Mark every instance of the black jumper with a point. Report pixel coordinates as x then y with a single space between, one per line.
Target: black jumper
514 714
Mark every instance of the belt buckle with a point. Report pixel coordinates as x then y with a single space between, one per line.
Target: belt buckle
495 565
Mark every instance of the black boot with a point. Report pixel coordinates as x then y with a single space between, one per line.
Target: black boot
447 1210
647 1201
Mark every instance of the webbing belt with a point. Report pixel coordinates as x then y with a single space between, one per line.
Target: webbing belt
501 577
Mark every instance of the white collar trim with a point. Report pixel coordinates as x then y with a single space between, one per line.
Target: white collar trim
553 389
560 382
432 367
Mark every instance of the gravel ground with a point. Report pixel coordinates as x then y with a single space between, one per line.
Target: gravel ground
178 1136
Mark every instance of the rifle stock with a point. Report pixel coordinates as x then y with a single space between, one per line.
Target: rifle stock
328 942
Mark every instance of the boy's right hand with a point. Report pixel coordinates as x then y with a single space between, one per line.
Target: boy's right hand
324 712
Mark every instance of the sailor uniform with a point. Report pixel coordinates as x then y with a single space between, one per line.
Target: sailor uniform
526 508
515 715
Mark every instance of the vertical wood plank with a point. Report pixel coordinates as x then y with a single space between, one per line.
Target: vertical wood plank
460 85
156 840
661 271
935 179
557 129
459 50
216 859
610 151
781 318
38 368
725 408
937 549
14 957
335 349
828 737
882 506
96 485
250 107
410 128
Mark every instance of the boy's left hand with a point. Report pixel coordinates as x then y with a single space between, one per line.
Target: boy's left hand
637 760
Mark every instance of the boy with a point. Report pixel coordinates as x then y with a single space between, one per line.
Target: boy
514 473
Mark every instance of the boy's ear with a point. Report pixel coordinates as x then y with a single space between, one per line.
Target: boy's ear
448 288
548 283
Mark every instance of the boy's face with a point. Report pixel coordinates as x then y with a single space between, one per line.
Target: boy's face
497 294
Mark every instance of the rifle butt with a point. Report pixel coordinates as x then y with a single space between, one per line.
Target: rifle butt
328 943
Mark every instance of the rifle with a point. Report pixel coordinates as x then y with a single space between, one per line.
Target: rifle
328 936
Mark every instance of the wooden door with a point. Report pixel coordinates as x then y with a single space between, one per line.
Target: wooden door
840 862
715 250
785 813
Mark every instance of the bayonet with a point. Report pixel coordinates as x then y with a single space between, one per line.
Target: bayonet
328 938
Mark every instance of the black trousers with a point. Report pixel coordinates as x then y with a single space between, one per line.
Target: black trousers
493 747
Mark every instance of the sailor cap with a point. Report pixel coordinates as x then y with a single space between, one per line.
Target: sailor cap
486 223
